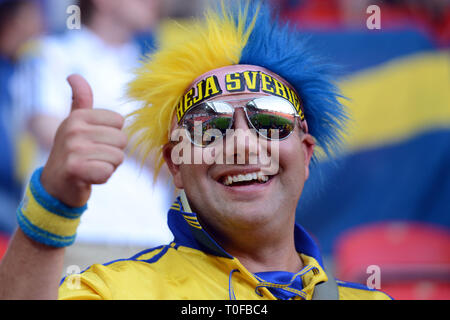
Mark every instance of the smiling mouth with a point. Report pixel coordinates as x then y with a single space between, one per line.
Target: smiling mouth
245 179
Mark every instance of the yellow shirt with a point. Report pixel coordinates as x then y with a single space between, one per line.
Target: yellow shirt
195 267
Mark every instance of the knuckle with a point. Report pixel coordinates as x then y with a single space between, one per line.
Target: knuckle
74 146
73 167
119 119
75 128
122 140
120 157
77 114
114 119
115 156
104 173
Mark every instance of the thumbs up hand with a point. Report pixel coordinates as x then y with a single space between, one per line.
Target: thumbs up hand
88 147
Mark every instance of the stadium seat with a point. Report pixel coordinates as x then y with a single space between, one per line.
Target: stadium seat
4 240
413 259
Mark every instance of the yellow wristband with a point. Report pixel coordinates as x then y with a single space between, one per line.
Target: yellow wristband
44 218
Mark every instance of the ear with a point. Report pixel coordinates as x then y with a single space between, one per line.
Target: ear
308 144
173 168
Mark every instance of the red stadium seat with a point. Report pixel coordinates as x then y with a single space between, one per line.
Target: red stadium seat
4 240
413 259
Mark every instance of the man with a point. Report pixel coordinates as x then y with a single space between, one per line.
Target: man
234 227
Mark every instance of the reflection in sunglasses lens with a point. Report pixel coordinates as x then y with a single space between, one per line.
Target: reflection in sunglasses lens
266 123
272 117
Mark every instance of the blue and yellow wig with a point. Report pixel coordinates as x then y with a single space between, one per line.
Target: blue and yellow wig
228 36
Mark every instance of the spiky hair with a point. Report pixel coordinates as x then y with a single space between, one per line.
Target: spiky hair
246 33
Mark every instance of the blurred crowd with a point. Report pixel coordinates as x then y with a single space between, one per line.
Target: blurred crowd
14 36
38 51
429 16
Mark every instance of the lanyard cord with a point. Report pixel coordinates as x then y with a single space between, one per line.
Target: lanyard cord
286 286
231 294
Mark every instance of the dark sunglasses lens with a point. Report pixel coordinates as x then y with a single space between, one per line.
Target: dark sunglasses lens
207 122
273 118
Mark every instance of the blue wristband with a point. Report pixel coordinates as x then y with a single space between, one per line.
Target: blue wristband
44 218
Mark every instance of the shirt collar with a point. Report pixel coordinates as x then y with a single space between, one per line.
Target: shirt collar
286 285
188 232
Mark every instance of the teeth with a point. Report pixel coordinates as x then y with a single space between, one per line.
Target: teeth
262 177
228 180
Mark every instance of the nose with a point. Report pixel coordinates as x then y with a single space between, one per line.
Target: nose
242 146
240 119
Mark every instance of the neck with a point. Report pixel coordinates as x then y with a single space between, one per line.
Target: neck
268 248
110 30
274 258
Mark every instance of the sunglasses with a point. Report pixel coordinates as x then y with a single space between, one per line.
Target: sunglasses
272 117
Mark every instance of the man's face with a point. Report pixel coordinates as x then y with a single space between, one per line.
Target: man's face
247 204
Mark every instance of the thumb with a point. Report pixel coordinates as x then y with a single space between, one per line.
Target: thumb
82 97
